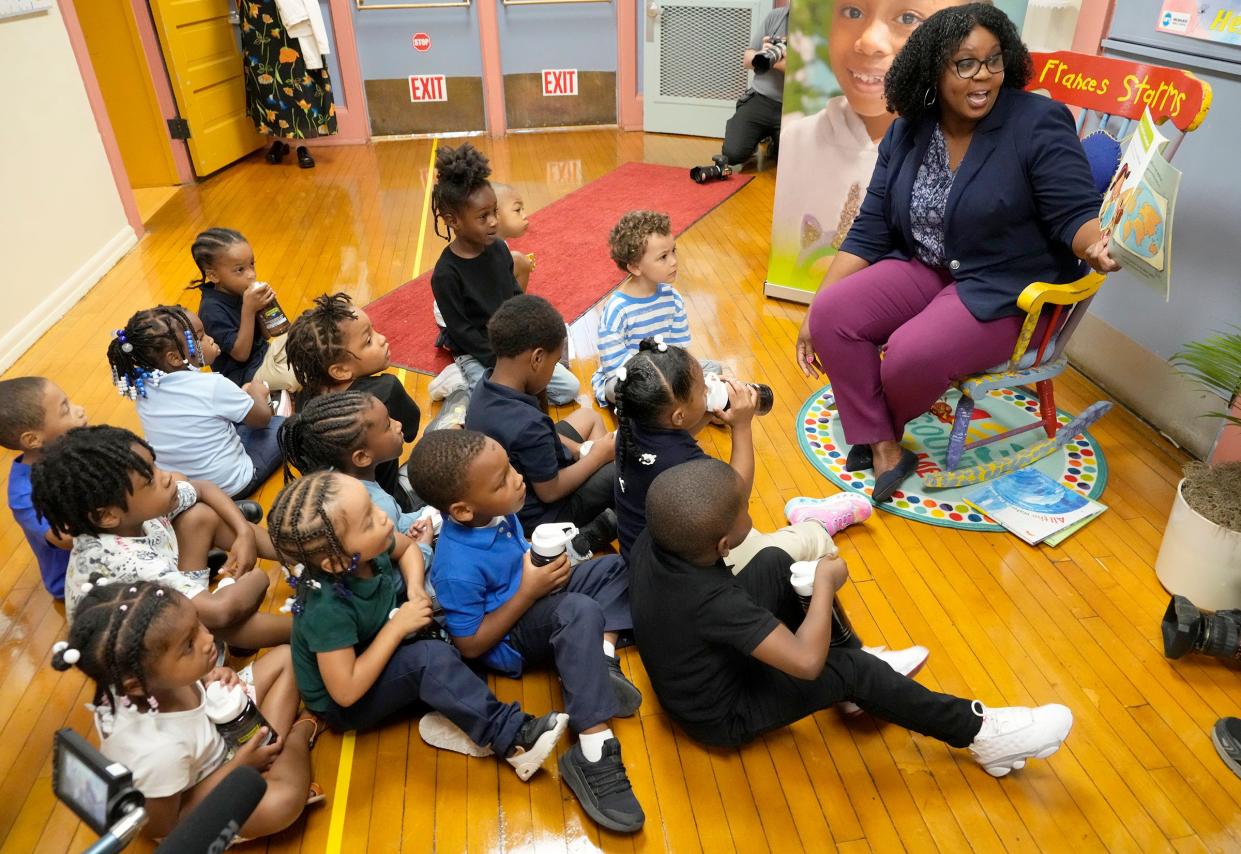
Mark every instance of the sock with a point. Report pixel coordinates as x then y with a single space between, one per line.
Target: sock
609 649
592 744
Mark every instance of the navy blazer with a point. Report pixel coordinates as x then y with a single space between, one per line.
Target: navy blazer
1020 194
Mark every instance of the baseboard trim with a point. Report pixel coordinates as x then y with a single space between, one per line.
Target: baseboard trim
42 317
786 293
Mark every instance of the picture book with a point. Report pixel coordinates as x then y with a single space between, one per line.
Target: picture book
1032 505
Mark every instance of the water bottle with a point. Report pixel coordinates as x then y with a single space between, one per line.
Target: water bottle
549 541
235 715
717 396
275 321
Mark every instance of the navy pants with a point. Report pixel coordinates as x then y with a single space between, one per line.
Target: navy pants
430 673
263 450
774 699
590 499
566 628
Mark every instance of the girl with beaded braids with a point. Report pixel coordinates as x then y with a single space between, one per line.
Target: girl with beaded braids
154 667
334 347
474 274
365 646
199 423
661 402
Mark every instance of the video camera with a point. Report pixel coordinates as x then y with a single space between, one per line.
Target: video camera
772 53
717 170
99 792
1186 628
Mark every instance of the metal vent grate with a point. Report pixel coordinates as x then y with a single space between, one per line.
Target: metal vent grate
700 52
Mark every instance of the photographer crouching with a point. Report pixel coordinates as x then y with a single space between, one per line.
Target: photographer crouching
758 110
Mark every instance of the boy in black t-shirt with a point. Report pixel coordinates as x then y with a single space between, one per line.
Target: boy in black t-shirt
474 274
731 657
568 467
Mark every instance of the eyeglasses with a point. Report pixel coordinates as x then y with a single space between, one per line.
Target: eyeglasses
969 67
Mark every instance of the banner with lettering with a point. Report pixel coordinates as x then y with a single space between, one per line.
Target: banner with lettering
1212 21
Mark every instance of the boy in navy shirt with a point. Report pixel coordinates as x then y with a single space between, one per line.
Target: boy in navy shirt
34 412
508 612
568 467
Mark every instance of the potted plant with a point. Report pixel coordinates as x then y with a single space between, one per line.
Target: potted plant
1200 556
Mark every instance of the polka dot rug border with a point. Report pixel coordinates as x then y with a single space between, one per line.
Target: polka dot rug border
1079 465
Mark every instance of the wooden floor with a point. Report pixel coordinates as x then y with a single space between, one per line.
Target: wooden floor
1005 623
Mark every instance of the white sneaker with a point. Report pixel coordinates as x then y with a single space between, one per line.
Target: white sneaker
1010 736
906 662
437 731
449 380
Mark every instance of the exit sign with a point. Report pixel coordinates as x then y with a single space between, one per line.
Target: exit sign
561 81
427 87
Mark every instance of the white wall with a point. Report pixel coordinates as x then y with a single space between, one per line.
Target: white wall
61 221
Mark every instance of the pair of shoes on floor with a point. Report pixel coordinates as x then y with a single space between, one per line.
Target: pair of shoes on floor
602 787
536 740
446 382
278 151
861 457
906 662
596 534
834 513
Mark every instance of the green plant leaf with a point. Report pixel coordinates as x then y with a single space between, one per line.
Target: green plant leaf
1215 364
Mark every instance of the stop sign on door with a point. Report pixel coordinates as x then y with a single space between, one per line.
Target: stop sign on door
422 42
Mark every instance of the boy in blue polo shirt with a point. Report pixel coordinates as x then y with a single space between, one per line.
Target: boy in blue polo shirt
509 612
34 412
568 467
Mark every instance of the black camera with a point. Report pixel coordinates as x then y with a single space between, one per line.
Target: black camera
715 172
1187 628
99 791
770 55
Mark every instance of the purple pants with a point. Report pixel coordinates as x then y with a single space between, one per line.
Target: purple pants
929 339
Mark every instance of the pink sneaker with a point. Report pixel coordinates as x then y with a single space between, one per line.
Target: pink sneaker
834 513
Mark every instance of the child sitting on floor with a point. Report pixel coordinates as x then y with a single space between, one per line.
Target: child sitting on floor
512 223
351 432
661 396
568 467
34 412
731 658
645 305
334 347
131 521
509 611
475 272
201 424
364 646
231 309
153 663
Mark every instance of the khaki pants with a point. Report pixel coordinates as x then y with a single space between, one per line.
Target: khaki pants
275 370
803 541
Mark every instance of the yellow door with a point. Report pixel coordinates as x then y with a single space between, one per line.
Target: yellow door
204 63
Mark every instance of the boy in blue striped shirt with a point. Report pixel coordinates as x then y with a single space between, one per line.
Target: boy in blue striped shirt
645 305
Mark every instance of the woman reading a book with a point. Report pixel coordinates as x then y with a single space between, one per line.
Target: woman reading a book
980 188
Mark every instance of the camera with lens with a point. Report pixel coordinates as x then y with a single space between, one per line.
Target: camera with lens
718 170
717 395
99 791
1186 628
771 53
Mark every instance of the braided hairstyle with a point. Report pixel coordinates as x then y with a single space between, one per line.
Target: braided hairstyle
114 634
208 246
136 352
302 533
325 433
84 471
315 343
459 173
658 377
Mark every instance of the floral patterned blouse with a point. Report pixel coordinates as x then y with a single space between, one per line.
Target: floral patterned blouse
929 201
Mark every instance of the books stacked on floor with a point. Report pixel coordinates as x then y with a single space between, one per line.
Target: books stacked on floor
1034 507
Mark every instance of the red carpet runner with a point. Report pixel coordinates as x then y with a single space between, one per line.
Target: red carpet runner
569 239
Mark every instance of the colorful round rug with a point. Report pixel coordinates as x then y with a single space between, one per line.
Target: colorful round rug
1078 465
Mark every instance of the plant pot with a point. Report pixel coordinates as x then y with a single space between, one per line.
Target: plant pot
1199 559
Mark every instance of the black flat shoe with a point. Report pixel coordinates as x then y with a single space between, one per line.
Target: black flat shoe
890 481
304 159
277 152
860 457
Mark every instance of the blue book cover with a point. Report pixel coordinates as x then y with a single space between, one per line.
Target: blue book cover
1032 505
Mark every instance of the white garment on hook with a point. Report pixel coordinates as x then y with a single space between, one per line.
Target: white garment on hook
303 19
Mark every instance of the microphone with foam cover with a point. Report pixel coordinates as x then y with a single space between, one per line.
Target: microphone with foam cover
211 825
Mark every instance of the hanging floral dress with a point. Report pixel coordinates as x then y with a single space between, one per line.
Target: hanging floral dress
283 97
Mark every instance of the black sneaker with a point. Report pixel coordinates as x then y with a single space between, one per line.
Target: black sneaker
535 742
628 697
599 532
1227 739
602 788
251 510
